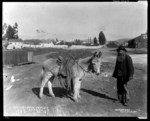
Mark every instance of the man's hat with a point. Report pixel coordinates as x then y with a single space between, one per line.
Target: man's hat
121 48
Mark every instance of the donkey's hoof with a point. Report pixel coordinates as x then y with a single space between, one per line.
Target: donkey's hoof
40 96
76 100
53 95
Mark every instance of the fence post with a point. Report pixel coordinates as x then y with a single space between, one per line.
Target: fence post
30 56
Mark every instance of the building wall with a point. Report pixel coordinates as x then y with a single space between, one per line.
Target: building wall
14 45
138 42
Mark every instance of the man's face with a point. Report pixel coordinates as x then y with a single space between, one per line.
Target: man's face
121 55
121 52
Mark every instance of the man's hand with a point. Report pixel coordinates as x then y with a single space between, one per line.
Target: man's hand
130 78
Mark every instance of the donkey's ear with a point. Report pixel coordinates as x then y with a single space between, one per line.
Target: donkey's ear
95 54
99 54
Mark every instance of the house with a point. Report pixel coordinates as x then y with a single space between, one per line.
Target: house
61 42
138 42
15 43
47 44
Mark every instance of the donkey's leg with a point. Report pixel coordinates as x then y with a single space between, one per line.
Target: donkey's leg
76 87
79 86
50 86
46 77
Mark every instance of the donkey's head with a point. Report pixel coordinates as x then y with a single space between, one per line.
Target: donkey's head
96 62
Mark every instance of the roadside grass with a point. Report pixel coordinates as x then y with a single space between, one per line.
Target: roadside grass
67 53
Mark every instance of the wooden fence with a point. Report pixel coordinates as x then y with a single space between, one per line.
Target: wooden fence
16 57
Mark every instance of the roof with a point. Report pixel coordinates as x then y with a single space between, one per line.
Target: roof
15 40
142 37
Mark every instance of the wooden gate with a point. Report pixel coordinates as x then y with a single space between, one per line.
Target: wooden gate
16 57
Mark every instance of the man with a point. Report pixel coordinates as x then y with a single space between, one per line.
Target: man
124 71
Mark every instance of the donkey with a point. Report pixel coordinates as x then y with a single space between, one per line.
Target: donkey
50 70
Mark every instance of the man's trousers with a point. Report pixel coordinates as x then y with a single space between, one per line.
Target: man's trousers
122 90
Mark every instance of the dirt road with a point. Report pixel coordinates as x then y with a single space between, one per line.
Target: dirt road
97 93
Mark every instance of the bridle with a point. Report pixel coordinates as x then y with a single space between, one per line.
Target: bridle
87 71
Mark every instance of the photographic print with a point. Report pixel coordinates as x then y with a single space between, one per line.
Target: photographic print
82 59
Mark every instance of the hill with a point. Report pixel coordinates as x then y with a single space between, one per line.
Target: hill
116 43
136 42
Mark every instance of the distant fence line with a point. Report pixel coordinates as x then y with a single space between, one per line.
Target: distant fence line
16 57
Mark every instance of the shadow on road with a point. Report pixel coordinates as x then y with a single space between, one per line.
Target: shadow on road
58 91
97 94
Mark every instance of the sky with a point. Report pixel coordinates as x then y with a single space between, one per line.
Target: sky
76 20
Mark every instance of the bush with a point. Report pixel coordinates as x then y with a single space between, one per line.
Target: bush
112 44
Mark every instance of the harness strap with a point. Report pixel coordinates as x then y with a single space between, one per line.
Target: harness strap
82 67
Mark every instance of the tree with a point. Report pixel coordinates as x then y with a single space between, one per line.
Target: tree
95 41
77 42
10 32
102 39
61 42
15 27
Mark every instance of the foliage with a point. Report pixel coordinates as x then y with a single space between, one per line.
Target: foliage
69 44
15 28
77 42
95 41
61 43
102 39
11 32
33 41
113 44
